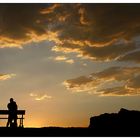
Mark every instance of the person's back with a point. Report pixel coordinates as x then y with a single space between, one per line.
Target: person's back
12 106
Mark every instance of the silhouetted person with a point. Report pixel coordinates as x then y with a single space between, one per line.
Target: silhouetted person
12 107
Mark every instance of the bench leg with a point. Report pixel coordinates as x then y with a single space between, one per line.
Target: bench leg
21 122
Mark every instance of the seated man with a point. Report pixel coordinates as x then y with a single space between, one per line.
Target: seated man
12 107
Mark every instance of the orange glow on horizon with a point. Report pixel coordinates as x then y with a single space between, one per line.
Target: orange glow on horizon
54 122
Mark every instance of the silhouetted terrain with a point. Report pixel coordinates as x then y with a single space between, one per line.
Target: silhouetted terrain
124 123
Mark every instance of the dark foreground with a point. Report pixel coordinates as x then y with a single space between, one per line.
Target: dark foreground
125 123
65 132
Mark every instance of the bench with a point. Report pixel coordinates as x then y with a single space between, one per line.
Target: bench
19 112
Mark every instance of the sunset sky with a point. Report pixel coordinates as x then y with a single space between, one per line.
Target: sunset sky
64 63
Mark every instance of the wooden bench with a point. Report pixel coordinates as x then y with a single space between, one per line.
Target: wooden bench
19 112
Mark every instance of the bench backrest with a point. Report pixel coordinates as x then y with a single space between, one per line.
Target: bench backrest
6 112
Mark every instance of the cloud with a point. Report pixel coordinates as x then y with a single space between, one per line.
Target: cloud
18 20
110 52
50 9
118 91
39 97
70 61
134 56
80 84
82 16
60 58
24 23
92 32
6 76
114 81
117 73
79 81
63 58
43 97
86 29
100 32
134 82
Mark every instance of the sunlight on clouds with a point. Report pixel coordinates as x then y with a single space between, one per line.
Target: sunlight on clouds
39 97
43 97
89 35
10 43
82 88
63 58
82 17
76 46
114 81
83 43
50 36
32 37
81 84
27 25
70 61
60 58
103 51
6 76
119 91
63 18
64 50
50 9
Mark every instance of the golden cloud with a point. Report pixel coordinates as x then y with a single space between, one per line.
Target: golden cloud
81 84
50 9
118 91
115 81
6 76
32 37
39 97
63 58
100 53
60 58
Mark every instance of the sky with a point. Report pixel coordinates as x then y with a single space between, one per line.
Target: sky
64 63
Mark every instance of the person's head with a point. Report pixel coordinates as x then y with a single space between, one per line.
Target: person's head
11 100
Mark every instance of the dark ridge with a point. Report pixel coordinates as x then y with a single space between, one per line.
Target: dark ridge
125 122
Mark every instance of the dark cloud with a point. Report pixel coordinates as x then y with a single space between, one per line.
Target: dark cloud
110 52
117 73
97 28
134 56
22 23
134 82
114 20
95 31
19 19
80 80
105 21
